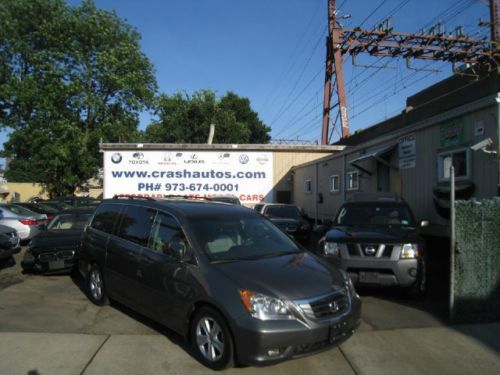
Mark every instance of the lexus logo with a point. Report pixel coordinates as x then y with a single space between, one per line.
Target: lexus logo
333 306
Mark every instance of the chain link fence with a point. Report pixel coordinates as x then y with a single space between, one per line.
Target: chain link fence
477 261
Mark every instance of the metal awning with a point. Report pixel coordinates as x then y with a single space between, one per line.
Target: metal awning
376 154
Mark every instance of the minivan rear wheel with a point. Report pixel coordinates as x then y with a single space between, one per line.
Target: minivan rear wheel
211 339
95 286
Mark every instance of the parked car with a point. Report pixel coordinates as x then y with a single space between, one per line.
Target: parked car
40 208
374 237
25 221
75 201
231 199
9 242
258 207
55 249
289 219
231 282
58 205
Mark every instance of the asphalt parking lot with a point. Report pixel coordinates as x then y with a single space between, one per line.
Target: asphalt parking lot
48 326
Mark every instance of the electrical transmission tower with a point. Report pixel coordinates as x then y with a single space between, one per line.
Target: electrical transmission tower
435 44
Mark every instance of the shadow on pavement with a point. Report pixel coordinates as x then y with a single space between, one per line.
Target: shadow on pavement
174 337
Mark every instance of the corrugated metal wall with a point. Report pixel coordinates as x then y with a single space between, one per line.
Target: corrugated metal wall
414 184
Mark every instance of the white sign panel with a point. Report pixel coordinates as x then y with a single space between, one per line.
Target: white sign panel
247 175
408 163
407 146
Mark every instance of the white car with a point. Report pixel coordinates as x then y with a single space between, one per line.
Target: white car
26 222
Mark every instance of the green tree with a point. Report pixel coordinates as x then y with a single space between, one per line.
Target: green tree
185 119
69 77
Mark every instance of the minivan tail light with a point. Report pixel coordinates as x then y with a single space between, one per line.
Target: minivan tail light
28 221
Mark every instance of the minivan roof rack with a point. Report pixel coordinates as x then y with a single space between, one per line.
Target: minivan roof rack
185 196
132 197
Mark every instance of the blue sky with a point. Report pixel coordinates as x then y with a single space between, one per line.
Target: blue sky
273 52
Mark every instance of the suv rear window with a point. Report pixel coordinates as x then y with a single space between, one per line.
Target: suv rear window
105 218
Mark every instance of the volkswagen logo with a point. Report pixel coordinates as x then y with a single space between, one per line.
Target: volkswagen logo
333 306
116 158
243 158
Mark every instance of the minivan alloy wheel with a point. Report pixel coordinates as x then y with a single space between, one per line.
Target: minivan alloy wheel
95 284
210 339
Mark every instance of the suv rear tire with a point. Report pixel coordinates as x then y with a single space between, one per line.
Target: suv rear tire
95 286
211 339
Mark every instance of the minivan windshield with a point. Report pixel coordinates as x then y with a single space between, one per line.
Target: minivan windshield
374 214
247 237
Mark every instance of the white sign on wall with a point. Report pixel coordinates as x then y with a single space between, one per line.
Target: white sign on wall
408 163
407 146
247 175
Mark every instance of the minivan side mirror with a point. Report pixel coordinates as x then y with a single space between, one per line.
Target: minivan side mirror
424 223
177 249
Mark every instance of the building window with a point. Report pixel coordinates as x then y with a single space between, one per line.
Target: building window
352 181
334 183
307 186
460 159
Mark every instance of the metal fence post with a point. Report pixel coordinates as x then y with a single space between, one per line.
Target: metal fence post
452 242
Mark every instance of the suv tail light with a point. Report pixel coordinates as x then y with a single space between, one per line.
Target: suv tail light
28 221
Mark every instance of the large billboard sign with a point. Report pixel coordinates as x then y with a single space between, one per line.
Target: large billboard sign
246 175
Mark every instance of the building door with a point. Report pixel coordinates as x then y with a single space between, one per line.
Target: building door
383 178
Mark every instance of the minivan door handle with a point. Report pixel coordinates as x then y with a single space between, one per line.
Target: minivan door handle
139 274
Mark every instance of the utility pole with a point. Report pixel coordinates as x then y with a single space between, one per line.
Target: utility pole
494 27
433 44
334 67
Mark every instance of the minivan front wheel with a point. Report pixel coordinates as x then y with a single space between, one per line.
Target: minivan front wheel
95 286
211 339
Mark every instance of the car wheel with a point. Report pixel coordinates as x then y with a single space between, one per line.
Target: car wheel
211 339
95 286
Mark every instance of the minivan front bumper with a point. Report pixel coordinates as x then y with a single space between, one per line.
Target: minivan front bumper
260 343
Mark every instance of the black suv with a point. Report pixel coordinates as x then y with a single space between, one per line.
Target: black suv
289 219
223 276
374 238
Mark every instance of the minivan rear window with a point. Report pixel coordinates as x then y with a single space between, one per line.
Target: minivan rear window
106 216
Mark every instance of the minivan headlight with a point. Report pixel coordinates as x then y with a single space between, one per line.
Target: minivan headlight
409 251
331 249
264 307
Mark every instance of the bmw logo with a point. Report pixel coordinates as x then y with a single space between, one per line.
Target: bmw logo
116 158
244 158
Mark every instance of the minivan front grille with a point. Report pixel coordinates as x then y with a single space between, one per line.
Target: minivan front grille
326 306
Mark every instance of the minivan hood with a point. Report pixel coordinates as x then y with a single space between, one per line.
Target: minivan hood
290 277
394 234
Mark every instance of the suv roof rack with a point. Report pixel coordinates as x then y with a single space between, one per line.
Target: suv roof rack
188 197
376 197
